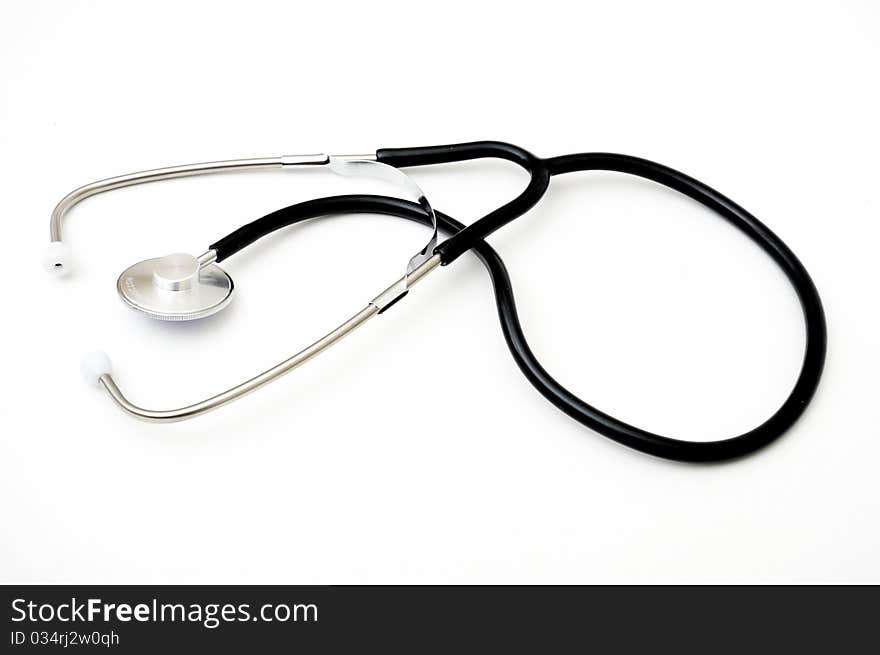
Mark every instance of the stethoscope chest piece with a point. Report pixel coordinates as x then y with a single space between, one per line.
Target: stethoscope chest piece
176 287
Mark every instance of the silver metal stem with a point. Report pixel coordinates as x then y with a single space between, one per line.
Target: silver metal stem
171 172
153 175
207 258
322 344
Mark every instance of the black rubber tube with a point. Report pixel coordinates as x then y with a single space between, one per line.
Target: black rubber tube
348 204
811 304
628 435
467 237
463 239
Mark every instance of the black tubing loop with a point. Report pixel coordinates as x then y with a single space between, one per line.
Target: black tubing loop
345 204
466 237
623 433
642 440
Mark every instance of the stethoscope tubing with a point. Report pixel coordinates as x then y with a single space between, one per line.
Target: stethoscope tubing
464 238
811 305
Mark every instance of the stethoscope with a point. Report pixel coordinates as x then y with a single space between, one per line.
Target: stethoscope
182 287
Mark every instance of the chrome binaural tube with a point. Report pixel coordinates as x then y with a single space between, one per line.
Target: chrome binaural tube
168 173
374 307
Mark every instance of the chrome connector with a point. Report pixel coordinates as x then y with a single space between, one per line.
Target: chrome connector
207 258
400 288
319 159
370 157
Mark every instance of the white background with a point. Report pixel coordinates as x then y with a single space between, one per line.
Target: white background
415 451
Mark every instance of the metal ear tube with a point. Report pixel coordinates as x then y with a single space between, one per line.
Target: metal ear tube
96 363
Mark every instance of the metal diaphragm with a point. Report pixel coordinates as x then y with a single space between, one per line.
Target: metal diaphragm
175 288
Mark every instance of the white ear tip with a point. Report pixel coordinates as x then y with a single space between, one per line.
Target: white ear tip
57 259
94 365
